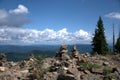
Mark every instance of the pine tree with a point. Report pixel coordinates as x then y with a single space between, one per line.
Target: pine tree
117 45
99 42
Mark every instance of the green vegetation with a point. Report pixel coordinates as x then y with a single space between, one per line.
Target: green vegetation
109 77
107 70
39 71
117 45
99 41
89 66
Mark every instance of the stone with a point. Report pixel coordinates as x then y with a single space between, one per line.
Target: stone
66 77
63 47
51 76
63 51
12 63
65 57
3 57
74 48
118 70
74 71
2 69
105 63
46 66
87 72
97 71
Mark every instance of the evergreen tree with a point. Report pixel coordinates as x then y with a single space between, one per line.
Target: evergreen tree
99 42
117 45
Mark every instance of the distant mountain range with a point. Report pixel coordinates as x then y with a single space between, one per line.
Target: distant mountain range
20 52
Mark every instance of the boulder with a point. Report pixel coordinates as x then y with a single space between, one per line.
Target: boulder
66 77
2 69
106 64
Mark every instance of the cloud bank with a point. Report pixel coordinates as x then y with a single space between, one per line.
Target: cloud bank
47 36
115 15
14 18
12 32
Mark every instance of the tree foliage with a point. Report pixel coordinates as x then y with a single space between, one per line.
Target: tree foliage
117 45
99 41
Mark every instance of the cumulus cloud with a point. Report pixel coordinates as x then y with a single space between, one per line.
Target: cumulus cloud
14 18
20 10
15 35
115 15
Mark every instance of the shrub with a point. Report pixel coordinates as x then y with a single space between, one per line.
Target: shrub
107 70
89 66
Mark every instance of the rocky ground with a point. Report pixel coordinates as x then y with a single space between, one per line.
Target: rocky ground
62 66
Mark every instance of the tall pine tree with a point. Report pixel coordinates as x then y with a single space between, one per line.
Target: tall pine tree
99 42
117 45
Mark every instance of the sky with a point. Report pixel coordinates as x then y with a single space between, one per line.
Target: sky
56 21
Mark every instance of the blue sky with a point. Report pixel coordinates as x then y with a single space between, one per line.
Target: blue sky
56 21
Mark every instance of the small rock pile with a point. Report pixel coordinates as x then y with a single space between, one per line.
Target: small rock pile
2 59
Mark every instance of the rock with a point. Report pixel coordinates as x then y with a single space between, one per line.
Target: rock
66 77
97 71
3 57
75 53
24 71
51 76
105 63
63 51
87 72
2 69
22 64
74 71
45 66
74 48
117 69
63 47
65 57
12 63
32 58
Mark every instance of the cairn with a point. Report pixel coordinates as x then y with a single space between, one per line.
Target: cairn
75 53
2 59
63 53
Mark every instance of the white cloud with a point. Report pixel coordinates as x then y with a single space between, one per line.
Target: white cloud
20 10
20 35
10 19
115 15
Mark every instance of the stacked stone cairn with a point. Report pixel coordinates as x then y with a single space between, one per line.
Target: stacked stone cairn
2 59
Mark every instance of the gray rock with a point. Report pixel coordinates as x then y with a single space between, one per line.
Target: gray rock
65 57
97 71
106 63
66 77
